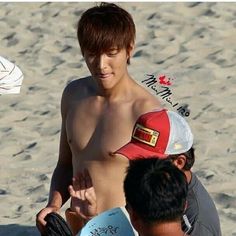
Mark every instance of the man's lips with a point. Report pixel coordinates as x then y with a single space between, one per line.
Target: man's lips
104 76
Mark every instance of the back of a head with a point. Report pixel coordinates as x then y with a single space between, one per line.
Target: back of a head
156 190
105 26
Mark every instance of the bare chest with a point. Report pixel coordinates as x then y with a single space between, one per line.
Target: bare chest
96 131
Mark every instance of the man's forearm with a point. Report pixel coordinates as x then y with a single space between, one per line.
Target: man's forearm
61 179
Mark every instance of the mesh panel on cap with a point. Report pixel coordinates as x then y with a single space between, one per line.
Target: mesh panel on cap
181 138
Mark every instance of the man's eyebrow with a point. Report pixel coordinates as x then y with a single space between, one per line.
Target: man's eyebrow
112 49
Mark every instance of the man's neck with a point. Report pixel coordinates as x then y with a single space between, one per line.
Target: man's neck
188 175
163 229
121 91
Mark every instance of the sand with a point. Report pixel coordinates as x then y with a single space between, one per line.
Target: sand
194 43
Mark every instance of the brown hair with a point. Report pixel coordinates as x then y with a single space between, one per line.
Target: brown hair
105 26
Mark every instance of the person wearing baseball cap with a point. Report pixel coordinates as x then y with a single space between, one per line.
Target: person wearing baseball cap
166 135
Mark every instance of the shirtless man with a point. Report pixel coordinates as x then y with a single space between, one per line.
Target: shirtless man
99 112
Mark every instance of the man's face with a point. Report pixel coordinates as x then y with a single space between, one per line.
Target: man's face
109 67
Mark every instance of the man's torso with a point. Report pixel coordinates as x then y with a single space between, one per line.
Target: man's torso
95 129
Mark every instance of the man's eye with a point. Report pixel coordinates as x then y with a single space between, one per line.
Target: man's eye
110 54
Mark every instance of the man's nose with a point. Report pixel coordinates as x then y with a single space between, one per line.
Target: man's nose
102 61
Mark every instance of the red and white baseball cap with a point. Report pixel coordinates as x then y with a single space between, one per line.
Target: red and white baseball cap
158 133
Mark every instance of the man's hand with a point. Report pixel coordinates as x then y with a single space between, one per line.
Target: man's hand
40 222
83 197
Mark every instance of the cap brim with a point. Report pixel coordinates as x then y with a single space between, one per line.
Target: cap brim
134 152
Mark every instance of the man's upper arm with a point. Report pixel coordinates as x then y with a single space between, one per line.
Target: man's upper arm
65 156
73 92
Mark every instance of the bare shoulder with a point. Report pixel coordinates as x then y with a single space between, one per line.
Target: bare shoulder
79 88
75 91
145 101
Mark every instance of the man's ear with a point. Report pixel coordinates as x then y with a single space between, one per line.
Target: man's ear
130 51
180 161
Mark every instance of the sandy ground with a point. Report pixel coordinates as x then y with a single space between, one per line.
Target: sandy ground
195 43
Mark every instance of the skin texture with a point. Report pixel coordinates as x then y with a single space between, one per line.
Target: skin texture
98 115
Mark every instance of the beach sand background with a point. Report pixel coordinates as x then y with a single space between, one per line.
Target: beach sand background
195 43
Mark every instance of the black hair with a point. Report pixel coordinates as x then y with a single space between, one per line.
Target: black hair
156 190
